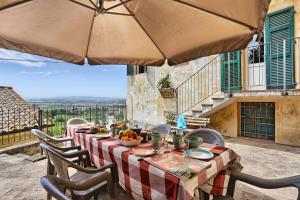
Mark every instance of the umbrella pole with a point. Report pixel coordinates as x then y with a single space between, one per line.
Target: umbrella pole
102 5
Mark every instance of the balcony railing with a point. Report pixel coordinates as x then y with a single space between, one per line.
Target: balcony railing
269 66
272 65
16 123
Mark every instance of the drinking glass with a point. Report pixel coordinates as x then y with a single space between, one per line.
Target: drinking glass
177 141
156 140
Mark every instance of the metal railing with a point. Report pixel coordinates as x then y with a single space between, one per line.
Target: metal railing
272 65
16 123
198 87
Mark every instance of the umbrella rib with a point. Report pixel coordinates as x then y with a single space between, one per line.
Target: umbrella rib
117 5
144 30
218 15
14 4
115 13
93 3
81 4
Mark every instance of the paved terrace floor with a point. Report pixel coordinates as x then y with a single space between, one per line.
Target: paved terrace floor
19 178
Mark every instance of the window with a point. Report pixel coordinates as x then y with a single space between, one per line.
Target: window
258 120
134 70
256 50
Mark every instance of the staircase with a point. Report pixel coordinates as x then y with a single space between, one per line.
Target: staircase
200 95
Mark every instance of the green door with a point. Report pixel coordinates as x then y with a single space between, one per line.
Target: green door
279 27
235 71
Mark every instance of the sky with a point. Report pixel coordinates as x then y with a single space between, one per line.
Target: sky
40 79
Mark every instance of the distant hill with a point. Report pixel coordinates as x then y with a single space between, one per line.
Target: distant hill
78 100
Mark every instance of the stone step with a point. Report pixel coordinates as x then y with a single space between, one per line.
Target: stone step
206 107
217 100
197 113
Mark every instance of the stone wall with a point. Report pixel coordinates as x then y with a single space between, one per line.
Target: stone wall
287 121
287 112
226 121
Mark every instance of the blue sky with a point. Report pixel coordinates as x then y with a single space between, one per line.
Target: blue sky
36 80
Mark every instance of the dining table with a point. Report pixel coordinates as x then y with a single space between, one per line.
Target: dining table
141 180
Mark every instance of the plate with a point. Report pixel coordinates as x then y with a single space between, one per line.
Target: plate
143 152
102 135
201 154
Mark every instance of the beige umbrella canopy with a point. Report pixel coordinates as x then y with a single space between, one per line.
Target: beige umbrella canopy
138 32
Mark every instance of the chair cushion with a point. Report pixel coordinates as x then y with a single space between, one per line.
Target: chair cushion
223 198
80 176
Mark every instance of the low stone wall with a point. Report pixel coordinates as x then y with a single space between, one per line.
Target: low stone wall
30 148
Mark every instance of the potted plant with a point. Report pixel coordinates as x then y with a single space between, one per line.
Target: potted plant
164 87
170 117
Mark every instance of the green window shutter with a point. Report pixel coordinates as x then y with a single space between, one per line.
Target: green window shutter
130 70
142 69
235 71
279 27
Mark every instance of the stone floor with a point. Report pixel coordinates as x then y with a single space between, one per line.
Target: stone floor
19 178
267 160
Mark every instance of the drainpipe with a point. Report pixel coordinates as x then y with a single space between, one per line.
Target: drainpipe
228 74
284 93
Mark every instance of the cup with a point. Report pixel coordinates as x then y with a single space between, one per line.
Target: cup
193 142
177 141
156 139
113 131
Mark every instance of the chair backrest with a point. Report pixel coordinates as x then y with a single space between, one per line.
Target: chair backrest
53 187
75 121
60 163
39 134
163 129
209 136
44 138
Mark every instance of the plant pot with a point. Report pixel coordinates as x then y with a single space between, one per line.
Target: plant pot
167 92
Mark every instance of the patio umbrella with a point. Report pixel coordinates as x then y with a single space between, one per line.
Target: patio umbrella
139 32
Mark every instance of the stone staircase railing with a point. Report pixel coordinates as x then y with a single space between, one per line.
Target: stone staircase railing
202 85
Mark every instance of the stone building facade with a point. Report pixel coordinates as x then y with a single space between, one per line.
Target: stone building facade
253 100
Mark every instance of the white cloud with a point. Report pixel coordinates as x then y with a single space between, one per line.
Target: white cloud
43 73
8 56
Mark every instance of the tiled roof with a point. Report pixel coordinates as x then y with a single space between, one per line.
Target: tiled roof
15 112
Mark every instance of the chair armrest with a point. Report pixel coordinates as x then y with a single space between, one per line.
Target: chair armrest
72 185
65 149
51 185
293 181
65 139
80 154
93 171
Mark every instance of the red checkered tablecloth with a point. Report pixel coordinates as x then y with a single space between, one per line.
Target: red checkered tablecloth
144 181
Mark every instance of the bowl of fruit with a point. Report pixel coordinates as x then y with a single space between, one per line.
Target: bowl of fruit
129 138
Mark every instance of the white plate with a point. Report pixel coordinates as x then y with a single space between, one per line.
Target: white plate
143 152
102 136
201 154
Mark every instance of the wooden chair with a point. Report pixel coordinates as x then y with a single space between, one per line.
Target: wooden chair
83 175
258 182
209 136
